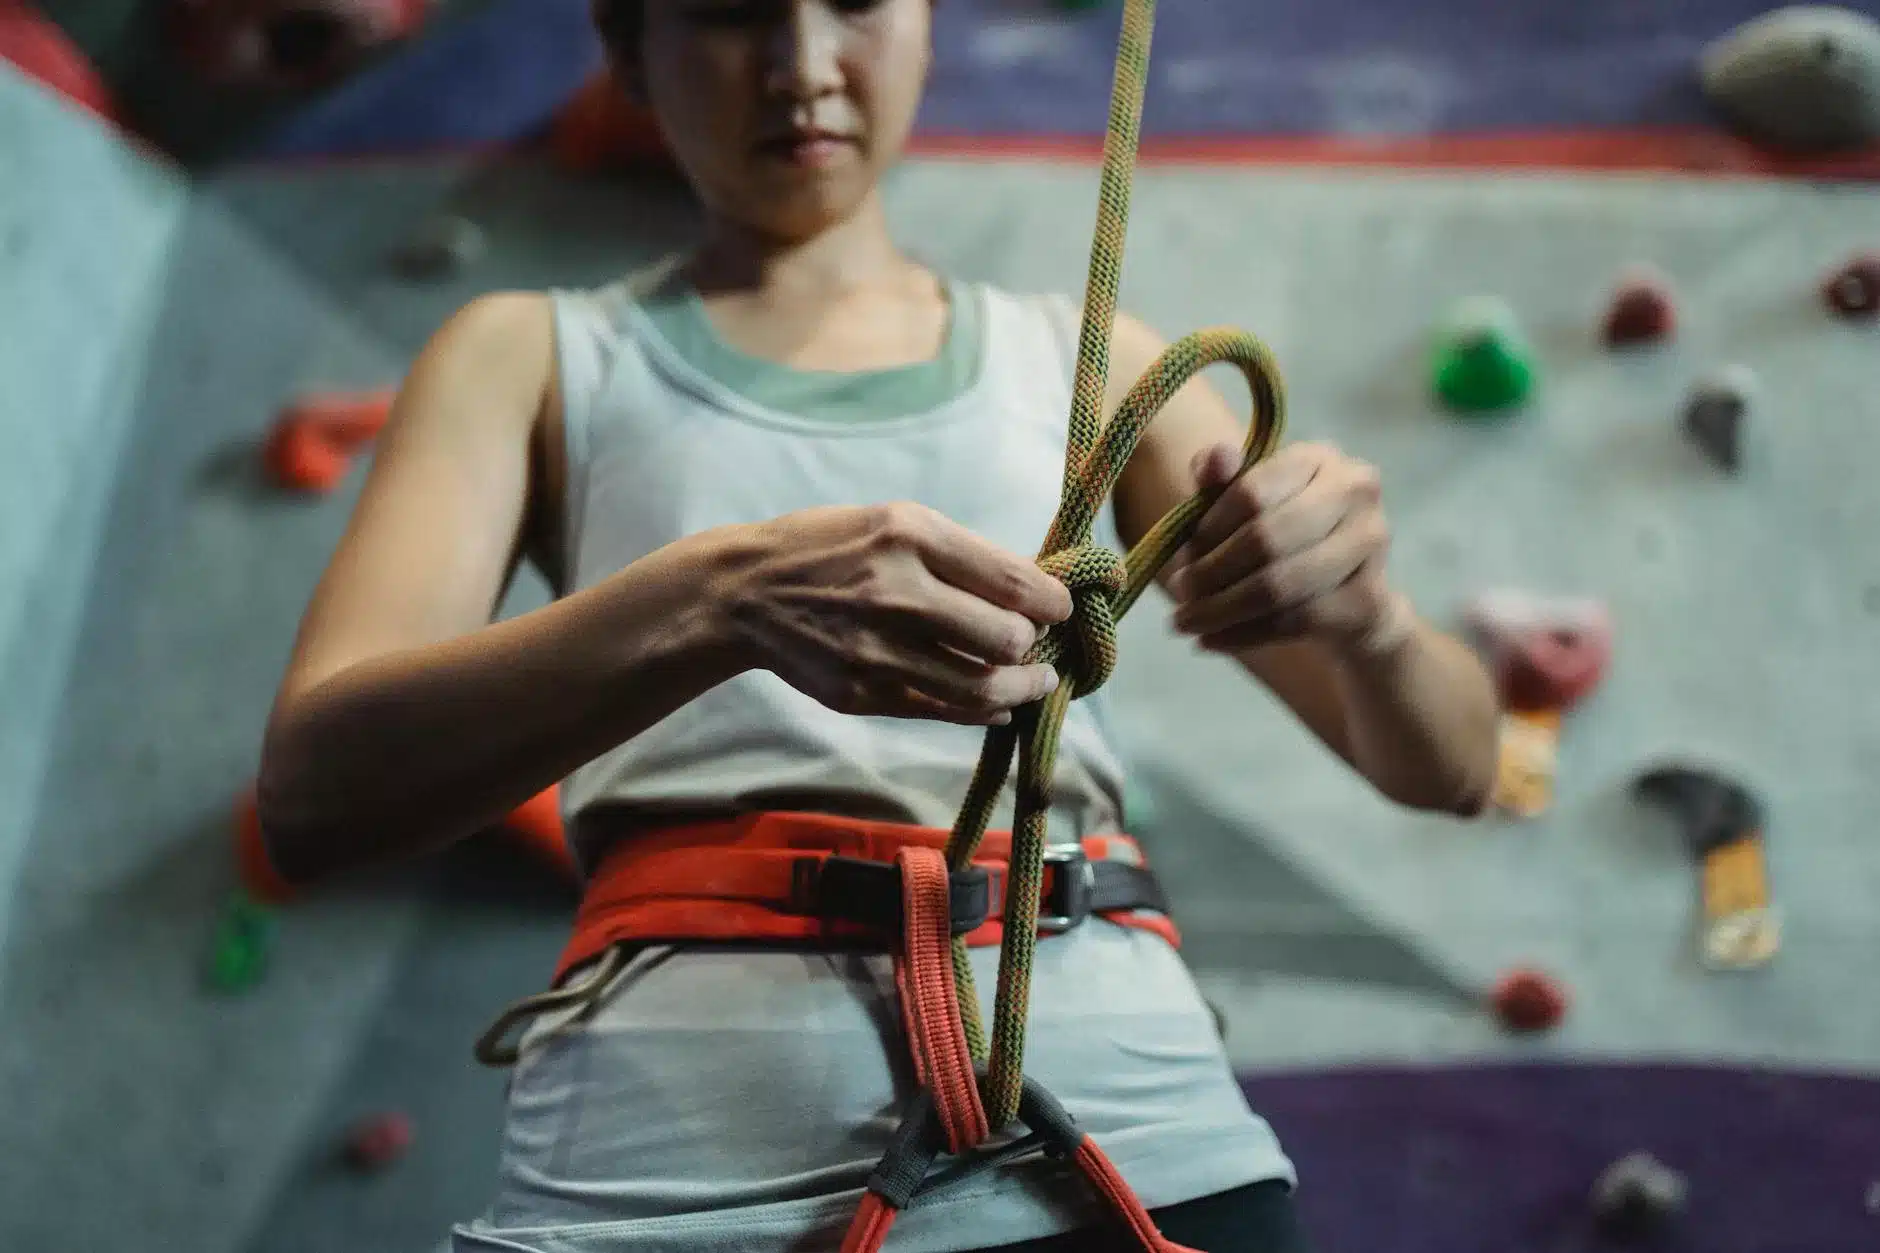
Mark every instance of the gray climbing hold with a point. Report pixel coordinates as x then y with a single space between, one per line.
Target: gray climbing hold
442 247
1717 412
1804 78
1637 1195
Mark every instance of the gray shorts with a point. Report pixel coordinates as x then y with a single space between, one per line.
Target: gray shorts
722 1101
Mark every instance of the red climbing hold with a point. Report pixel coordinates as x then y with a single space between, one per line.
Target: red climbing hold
1547 653
1528 1000
1853 291
42 52
376 1142
288 44
313 441
602 129
1642 310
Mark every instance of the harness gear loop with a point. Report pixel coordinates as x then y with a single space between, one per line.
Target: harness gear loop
1084 648
492 1049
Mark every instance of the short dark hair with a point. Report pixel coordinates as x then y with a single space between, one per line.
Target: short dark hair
619 22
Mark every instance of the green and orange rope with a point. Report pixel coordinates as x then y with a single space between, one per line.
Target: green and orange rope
1103 585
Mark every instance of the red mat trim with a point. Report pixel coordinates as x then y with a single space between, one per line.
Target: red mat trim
1692 153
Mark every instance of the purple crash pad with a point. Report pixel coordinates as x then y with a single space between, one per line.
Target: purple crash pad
1501 1160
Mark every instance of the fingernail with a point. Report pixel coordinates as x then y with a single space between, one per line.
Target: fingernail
1050 682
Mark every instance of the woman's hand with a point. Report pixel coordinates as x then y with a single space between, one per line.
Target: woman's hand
1294 548
892 610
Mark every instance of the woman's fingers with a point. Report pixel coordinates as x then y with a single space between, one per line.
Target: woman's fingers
977 566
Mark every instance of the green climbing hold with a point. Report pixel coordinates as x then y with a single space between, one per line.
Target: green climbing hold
244 935
1482 361
1138 808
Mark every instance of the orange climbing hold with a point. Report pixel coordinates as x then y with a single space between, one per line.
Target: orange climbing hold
536 824
603 129
313 442
42 52
256 869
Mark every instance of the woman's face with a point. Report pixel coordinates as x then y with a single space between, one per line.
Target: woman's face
785 113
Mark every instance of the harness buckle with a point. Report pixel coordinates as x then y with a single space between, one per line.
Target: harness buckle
1068 896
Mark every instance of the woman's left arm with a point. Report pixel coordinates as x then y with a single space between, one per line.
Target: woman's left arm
1286 573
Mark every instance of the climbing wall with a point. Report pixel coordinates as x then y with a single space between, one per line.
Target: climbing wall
1332 929
85 229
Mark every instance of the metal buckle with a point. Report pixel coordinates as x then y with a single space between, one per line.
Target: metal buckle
1073 888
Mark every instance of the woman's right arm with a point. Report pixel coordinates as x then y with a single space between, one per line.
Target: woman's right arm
406 719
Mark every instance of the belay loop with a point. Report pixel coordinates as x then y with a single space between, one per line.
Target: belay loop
1084 648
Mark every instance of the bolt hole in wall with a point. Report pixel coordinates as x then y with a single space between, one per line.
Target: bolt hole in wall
1627 1006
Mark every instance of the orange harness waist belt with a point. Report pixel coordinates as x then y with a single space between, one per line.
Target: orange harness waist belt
810 878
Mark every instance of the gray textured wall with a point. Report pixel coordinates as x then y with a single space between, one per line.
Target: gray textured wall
85 228
1333 927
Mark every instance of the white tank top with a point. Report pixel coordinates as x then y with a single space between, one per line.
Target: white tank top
659 448
726 1099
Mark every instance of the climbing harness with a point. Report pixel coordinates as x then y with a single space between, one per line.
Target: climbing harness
824 880
817 880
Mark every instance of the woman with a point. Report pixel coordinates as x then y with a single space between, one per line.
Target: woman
783 486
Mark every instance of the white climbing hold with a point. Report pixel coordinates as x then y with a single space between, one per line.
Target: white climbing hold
1805 78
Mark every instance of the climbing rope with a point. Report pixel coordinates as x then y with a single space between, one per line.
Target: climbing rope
1103 585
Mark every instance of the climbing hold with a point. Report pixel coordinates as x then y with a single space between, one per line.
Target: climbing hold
603 128
313 441
1138 807
441 247
537 825
1482 362
1642 310
1853 291
1717 412
1547 652
375 1142
42 51
1529 1001
1804 78
288 44
1637 1195
260 880
1723 823
244 937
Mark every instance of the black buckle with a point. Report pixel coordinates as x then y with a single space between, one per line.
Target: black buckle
850 889
1067 898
